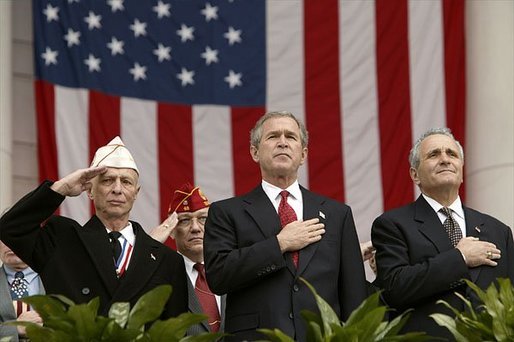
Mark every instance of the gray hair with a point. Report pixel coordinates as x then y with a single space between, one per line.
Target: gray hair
256 132
414 158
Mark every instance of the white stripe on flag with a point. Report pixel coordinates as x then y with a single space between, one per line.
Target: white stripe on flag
426 61
212 137
361 143
139 133
72 135
285 63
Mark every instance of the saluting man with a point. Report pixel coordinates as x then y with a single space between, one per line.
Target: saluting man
110 256
186 225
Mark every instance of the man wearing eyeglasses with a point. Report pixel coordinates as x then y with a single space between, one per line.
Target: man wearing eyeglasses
187 214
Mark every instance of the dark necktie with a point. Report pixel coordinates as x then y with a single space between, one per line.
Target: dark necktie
287 215
19 286
451 226
207 299
115 244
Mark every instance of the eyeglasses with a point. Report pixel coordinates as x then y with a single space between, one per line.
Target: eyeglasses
188 221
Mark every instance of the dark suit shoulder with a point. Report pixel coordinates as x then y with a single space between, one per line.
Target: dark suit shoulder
488 219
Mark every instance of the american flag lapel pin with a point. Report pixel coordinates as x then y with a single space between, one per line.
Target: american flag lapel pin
152 256
322 215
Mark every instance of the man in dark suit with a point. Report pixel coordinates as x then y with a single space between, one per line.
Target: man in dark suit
425 249
187 214
17 280
257 246
109 257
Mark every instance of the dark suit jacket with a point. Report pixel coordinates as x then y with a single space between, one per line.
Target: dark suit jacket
7 312
76 261
417 265
196 307
243 260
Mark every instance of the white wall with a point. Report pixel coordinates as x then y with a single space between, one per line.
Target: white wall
490 143
490 107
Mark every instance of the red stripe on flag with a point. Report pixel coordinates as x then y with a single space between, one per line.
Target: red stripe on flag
175 144
322 103
394 101
46 140
104 120
455 70
246 171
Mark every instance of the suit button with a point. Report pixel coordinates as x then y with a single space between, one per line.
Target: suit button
291 315
86 291
295 288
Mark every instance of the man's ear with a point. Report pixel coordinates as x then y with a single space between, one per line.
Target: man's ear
414 175
90 194
305 151
254 152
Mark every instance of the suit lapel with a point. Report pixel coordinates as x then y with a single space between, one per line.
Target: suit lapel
6 304
262 211
475 227
260 208
96 241
430 225
146 258
311 209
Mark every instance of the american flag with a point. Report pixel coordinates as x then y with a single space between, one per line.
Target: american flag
182 82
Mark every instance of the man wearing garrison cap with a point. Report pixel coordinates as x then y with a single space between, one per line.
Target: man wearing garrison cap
109 257
185 224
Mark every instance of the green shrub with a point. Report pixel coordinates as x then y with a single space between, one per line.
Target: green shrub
65 321
491 321
366 323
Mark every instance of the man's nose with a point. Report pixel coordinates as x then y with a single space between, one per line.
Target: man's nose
194 224
283 140
116 187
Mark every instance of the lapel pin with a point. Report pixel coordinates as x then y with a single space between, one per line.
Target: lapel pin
152 256
322 214
477 229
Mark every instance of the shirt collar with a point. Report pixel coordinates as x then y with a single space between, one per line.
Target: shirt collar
456 206
274 191
28 273
128 233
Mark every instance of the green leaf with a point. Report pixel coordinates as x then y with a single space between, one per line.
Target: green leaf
275 335
149 306
369 304
173 329
120 313
204 337
328 316
449 323
46 305
314 322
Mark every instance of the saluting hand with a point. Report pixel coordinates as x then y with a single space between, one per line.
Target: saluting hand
165 229
77 182
298 234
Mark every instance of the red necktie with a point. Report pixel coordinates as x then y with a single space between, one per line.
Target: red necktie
207 299
287 215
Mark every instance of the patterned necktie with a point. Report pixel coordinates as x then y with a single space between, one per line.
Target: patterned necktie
287 215
207 299
19 286
115 244
451 226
